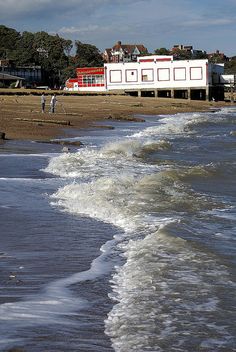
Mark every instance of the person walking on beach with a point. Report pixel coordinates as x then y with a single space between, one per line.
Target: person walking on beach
43 102
53 103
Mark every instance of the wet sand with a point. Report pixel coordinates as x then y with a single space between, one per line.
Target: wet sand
21 116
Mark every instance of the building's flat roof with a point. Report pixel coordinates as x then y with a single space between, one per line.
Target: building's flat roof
7 77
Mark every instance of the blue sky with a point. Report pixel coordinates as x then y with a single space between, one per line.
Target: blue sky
206 24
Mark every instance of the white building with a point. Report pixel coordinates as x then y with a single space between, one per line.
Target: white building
160 76
163 76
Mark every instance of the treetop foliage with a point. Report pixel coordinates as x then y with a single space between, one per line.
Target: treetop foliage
51 52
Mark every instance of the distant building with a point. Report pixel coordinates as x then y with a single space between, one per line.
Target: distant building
30 74
193 53
197 53
88 78
187 48
7 80
124 52
218 56
107 56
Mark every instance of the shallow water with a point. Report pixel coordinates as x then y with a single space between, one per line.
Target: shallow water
127 244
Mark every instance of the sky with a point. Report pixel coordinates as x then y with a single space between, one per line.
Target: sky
205 24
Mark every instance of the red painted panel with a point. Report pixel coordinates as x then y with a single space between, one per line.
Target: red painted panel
165 59
146 60
90 71
70 80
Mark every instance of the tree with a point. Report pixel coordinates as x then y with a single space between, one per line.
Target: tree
67 46
162 51
181 54
198 55
230 66
217 58
51 52
87 55
52 57
9 39
68 72
25 53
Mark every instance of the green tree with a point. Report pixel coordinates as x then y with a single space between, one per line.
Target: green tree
52 55
217 58
25 53
199 55
181 54
87 55
230 66
9 39
68 72
67 46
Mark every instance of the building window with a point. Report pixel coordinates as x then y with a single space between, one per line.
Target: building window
147 75
163 74
179 73
196 73
91 80
131 75
115 76
88 80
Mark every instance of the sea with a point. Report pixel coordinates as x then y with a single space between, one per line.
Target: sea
125 244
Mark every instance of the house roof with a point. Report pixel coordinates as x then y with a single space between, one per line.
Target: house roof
7 77
129 48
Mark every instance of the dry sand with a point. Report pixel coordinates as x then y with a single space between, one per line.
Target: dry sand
21 117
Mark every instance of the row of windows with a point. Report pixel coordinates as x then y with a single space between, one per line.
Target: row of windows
90 80
163 74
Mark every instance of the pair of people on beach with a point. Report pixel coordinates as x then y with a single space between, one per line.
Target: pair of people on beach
52 103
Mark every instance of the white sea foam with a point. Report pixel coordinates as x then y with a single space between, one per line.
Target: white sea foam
226 110
56 302
130 202
112 159
164 279
169 125
115 156
105 199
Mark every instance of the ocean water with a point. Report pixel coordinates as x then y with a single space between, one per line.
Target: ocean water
126 244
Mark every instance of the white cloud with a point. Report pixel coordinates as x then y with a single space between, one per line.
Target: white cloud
79 30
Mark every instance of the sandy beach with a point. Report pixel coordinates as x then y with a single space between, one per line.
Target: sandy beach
21 116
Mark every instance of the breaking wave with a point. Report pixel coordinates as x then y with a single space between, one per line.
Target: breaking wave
164 296
167 293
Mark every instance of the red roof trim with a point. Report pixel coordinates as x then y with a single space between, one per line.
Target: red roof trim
146 60
164 59
152 60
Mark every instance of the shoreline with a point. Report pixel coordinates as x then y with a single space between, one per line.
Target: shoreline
21 117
